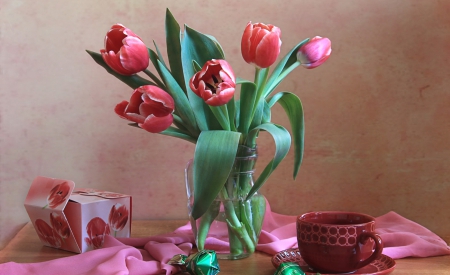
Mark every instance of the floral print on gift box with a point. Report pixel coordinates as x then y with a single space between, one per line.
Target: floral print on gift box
60 225
118 217
47 234
96 230
58 195
54 234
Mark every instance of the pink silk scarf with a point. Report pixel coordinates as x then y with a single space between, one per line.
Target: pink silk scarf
147 256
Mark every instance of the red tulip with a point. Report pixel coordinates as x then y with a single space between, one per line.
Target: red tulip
124 51
260 44
58 194
150 107
214 83
47 234
60 225
315 52
118 217
96 229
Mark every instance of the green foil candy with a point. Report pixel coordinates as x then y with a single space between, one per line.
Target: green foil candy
201 263
289 269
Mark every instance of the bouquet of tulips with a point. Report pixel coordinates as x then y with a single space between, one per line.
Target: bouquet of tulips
192 97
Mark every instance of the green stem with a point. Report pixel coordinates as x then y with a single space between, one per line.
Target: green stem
261 76
280 78
221 113
235 225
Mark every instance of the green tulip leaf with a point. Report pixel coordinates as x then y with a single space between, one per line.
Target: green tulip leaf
174 132
214 157
200 48
182 106
285 66
134 81
173 41
154 59
282 140
196 66
267 114
293 107
221 114
160 56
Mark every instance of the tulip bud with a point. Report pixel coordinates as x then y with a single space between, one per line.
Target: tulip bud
315 52
150 107
124 51
214 83
260 44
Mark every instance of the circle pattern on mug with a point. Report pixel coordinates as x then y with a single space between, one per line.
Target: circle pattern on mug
329 235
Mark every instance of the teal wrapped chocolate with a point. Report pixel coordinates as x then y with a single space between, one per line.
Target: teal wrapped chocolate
201 263
289 269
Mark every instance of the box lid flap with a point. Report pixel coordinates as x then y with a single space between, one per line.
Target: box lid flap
49 193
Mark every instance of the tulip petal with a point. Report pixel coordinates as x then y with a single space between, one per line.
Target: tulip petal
228 70
113 39
153 108
135 117
156 94
155 124
268 50
135 102
114 63
134 55
120 108
246 43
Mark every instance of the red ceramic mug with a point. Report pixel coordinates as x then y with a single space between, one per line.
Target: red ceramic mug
337 242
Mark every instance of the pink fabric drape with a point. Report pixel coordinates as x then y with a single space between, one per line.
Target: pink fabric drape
139 256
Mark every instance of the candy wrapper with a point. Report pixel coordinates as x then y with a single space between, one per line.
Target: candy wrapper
200 263
289 269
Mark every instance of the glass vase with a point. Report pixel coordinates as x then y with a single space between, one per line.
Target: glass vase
232 224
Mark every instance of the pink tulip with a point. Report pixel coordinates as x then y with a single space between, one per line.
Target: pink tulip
315 52
214 83
150 107
124 51
260 44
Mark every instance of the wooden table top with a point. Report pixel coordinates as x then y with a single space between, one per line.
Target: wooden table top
26 247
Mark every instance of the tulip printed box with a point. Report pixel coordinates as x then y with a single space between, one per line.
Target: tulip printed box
76 220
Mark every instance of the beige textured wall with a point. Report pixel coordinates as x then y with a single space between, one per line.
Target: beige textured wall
377 113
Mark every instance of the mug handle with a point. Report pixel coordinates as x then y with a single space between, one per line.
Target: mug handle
378 247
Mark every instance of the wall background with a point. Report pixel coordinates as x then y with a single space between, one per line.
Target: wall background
377 113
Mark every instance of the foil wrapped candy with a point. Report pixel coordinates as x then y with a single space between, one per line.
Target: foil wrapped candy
201 263
289 268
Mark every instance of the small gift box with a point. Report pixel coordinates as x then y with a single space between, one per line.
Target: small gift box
76 220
